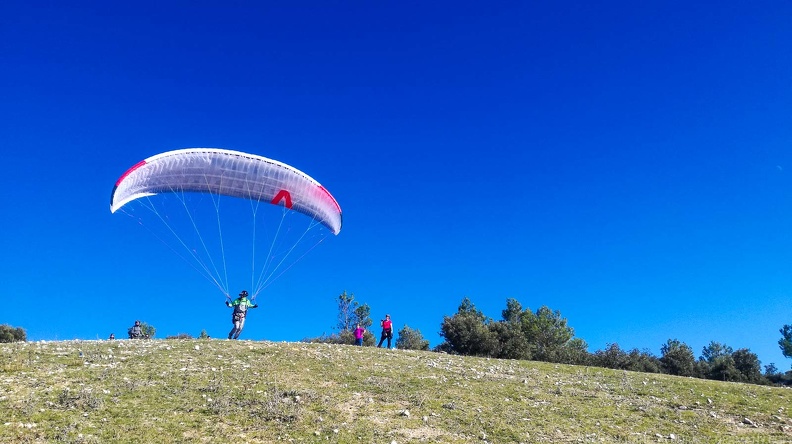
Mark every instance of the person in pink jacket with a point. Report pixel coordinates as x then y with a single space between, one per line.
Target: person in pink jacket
359 331
387 331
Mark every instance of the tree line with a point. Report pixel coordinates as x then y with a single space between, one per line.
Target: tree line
541 335
544 335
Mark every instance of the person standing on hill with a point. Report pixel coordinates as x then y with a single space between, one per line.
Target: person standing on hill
359 335
240 306
387 331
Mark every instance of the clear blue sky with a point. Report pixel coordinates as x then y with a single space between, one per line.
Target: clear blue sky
625 163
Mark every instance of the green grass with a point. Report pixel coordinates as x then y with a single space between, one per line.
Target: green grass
207 391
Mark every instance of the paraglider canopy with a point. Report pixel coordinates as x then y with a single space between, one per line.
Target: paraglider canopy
229 173
195 201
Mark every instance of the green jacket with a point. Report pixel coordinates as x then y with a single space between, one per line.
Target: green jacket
241 304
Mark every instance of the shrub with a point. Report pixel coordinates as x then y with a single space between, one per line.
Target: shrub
11 334
180 336
410 339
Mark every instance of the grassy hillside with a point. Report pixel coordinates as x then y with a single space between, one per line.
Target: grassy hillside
233 392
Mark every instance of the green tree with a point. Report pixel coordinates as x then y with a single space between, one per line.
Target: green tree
467 332
786 341
677 358
511 340
635 360
714 351
363 316
148 330
346 311
719 362
547 333
749 366
11 334
351 313
203 335
509 333
410 339
574 352
643 361
513 312
612 357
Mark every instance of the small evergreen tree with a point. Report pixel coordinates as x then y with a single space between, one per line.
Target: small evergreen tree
547 332
677 358
410 339
148 330
513 341
203 335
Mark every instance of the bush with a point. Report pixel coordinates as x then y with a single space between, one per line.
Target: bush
410 339
345 337
11 334
148 330
781 378
180 336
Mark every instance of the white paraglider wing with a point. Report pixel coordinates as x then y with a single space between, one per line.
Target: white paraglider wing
228 173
